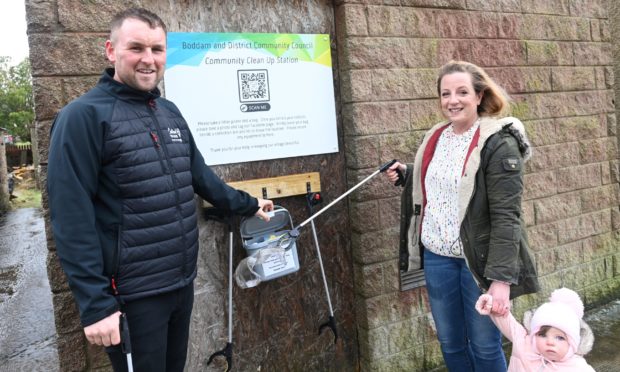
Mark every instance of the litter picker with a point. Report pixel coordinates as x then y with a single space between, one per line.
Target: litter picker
125 341
226 352
314 198
292 235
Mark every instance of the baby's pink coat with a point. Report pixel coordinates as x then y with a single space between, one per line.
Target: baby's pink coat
525 358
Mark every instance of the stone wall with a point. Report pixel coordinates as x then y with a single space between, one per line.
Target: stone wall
555 59
553 56
275 324
5 204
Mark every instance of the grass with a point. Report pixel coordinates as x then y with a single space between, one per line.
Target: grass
26 197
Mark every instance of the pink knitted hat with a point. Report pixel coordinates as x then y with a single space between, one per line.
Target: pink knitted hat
564 312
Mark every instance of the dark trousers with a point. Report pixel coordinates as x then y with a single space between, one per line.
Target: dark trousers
159 332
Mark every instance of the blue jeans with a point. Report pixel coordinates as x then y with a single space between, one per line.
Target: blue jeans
469 341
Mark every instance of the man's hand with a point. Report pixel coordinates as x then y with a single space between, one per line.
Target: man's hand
264 205
105 332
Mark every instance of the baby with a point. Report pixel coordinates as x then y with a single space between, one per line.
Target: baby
558 336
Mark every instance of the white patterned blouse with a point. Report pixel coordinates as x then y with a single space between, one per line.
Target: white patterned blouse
440 226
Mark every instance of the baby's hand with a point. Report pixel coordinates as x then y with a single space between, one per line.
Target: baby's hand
484 304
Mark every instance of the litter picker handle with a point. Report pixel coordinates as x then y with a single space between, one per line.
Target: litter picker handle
387 165
125 341
401 179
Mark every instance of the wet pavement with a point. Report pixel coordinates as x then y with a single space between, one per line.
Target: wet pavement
605 323
27 334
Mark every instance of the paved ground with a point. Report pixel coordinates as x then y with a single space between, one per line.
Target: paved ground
27 334
605 323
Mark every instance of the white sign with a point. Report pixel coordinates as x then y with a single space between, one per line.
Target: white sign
250 97
275 264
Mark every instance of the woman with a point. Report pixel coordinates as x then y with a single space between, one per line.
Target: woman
461 216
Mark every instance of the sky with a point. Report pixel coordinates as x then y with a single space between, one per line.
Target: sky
14 42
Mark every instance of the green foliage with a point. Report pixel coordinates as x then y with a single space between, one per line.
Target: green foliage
16 101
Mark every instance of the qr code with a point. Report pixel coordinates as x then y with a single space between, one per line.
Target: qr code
253 85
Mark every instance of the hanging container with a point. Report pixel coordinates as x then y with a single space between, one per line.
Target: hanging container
260 238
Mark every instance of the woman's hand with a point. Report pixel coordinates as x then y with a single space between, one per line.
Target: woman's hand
500 292
391 173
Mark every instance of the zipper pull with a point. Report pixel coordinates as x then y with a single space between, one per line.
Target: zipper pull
152 104
114 289
155 139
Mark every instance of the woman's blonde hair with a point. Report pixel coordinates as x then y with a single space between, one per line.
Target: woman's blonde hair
494 102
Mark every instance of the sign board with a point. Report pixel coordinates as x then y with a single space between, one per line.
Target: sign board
250 97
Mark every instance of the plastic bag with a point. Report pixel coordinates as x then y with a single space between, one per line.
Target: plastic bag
246 276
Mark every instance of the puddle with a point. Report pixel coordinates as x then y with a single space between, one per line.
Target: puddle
605 323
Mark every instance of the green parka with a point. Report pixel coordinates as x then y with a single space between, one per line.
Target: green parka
492 228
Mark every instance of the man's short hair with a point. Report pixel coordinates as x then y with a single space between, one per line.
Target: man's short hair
141 14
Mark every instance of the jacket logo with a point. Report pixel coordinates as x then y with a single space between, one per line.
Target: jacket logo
511 164
175 135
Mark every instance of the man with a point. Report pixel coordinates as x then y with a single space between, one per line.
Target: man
122 172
